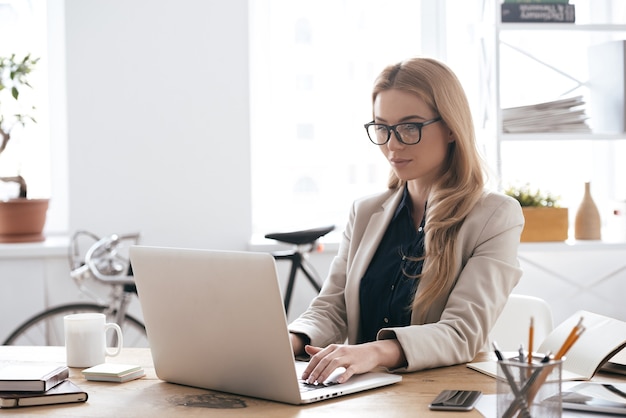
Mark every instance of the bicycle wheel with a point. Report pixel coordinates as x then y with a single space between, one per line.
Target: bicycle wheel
46 328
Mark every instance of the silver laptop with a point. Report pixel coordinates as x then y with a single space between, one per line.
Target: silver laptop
215 320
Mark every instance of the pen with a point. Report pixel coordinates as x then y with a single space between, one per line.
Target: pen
519 399
496 350
531 336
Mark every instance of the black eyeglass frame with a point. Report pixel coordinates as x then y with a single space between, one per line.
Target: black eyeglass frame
393 128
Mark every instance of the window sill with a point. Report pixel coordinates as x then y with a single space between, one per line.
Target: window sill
53 246
259 243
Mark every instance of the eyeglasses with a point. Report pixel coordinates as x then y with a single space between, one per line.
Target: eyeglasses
407 133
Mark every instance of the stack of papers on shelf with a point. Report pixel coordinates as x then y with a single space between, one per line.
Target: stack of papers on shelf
561 116
114 372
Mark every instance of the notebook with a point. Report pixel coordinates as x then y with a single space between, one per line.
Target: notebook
215 320
64 392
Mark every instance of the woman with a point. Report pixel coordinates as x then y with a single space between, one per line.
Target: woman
425 268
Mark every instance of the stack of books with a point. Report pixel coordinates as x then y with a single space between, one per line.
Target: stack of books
549 11
31 384
559 116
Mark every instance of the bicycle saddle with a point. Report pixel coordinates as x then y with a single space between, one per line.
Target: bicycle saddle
307 236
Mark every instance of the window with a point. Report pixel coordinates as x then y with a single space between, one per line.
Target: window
312 68
313 64
23 30
39 152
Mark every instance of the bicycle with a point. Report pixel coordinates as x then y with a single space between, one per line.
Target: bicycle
305 242
106 261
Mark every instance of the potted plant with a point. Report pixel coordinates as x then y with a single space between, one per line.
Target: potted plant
544 219
21 219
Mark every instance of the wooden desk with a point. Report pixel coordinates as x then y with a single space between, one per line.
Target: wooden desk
151 397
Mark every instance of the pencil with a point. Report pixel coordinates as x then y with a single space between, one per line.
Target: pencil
568 341
571 342
531 336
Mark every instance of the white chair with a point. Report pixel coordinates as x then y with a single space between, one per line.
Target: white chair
511 328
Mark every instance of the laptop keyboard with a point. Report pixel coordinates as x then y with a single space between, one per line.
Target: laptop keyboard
307 387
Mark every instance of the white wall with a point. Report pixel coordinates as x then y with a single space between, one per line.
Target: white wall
158 120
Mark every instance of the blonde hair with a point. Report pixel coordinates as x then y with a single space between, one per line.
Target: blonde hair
453 195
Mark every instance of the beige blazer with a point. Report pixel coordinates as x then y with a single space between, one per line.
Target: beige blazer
456 327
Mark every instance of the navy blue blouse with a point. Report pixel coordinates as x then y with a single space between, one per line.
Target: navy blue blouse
389 284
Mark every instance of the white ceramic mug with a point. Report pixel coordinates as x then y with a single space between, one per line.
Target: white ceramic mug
85 339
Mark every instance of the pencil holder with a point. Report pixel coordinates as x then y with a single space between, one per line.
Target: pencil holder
529 389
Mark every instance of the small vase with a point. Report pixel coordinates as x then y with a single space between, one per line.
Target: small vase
587 226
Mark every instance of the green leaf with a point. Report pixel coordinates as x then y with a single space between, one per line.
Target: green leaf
527 197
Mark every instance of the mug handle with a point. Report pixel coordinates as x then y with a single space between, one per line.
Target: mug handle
120 340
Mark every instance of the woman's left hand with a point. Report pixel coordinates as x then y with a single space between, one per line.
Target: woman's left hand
356 359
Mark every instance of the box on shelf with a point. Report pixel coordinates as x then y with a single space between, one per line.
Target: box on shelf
607 85
538 12
544 224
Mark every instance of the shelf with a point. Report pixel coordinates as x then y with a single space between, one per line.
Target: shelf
571 245
509 26
53 246
540 136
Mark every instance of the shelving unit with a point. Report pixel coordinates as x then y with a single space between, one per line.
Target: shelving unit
570 275
538 62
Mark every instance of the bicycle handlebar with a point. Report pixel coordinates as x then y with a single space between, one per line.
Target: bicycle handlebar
104 262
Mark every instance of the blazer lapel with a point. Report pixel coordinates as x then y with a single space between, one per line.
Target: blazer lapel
372 235
374 231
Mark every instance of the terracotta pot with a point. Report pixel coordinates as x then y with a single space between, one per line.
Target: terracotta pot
22 220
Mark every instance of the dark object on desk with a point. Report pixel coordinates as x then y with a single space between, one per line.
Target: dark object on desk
455 400
610 367
65 392
209 400
31 376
